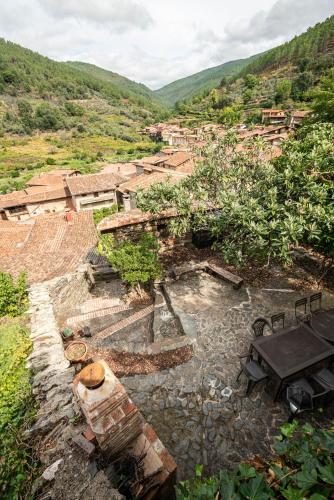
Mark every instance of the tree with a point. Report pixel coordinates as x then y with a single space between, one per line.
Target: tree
230 115
323 98
283 90
137 262
262 209
251 81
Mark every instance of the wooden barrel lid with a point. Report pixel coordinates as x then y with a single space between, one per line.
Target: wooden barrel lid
92 375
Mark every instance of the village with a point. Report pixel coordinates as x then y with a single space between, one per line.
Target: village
150 381
64 191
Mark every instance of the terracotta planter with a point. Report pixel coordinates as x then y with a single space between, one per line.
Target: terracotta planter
76 351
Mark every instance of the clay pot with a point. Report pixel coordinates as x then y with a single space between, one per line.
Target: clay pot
76 351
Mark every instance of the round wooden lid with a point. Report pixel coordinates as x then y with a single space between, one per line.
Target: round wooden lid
92 375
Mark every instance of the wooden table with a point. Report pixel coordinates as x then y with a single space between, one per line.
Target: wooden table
289 353
323 324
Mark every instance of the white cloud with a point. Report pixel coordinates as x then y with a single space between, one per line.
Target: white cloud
117 14
153 41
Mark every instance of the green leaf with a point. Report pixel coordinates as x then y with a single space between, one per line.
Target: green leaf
327 473
292 493
199 470
317 496
289 429
306 478
256 489
227 486
246 471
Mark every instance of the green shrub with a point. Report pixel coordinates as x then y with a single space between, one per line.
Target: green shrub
303 468
101 214
17 465
13 295
137 262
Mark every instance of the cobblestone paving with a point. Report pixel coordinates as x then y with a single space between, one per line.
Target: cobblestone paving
198 409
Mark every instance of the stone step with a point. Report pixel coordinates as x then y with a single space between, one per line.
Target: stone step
124 323
98 304
97 314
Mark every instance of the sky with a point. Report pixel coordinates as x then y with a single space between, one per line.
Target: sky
156 42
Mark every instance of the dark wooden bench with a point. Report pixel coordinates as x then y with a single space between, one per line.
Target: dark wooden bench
225 275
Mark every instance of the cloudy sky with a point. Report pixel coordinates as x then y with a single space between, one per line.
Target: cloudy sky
156 41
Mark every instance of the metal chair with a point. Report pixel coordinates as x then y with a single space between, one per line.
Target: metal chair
277 318
304 395
315 303
259 325
298 400
253 371
300 310
324 377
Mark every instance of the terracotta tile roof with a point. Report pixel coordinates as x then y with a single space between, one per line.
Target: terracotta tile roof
300 114
21 198
93 183
177 159
151 160
46 180
64 172
53 247
144 181
124 169
13 236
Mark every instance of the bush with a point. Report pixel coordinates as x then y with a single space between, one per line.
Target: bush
13 296
101 214
17 465
137 262
303 468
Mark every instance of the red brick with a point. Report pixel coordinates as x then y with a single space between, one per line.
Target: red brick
89 434
128 407
150 433
168 461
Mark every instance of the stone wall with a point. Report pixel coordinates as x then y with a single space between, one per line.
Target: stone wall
158 228
69 291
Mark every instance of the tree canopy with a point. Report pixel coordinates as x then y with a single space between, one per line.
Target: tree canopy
255 207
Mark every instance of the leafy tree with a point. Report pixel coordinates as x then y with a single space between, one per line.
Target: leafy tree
251 81
137 262
231 115
47 117
26 115
283 90
262 208
323 98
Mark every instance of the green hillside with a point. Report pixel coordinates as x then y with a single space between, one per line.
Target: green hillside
281 77
133 88
54 114
205 80
313 48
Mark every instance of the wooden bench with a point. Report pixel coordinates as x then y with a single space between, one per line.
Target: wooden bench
225 275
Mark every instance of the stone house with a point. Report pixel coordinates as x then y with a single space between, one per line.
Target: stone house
92 192
273 116
23 205
297 118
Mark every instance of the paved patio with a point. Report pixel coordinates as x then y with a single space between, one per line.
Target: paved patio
197 408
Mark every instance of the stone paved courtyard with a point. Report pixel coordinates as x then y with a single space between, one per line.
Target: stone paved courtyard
197 408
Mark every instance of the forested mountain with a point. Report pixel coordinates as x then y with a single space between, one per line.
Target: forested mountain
205 80
135 89
281 77
23 71
54 113
312 49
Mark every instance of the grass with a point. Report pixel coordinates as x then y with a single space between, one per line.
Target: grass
17 409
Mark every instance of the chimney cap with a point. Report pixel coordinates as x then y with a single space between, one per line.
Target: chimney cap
92 375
